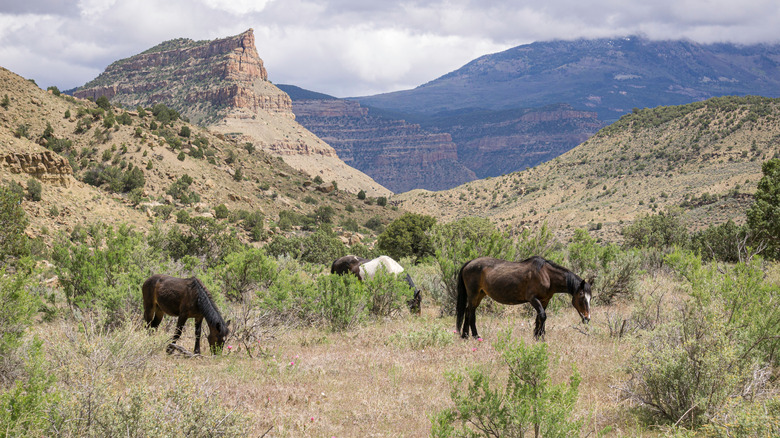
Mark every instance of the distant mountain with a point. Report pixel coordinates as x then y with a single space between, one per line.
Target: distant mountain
397 154
608 76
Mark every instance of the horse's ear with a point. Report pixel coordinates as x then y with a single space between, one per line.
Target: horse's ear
227 324
591 279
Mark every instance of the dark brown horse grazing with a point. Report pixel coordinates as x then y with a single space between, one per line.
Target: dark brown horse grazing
533 280
185 298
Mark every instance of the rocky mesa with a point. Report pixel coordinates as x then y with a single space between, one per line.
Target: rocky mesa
223 85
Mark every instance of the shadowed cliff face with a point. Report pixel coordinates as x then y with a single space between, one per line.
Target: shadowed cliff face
399 155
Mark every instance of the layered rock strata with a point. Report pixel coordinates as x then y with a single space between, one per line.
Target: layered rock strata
399 155
46 166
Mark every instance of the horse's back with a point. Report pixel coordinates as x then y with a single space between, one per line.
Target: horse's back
368 269
507 282
172 295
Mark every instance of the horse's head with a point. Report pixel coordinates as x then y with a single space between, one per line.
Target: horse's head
581 301
415 303
217 335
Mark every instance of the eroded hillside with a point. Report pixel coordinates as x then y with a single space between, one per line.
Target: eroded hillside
117 166
703 157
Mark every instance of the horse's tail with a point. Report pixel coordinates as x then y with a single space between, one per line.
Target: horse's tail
460 306
147 293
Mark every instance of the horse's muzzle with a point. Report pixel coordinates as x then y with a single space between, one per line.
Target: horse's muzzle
585 319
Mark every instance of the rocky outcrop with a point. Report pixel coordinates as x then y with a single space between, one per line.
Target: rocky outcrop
399 155
201 79
45 166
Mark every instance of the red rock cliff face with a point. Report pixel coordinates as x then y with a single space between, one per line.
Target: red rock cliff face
202 80
399 155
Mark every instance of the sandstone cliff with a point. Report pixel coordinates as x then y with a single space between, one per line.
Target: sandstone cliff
494 143
399 155
223 84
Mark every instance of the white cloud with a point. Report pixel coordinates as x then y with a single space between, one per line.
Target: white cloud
237 7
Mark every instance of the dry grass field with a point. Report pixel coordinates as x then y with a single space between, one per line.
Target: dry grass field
385 378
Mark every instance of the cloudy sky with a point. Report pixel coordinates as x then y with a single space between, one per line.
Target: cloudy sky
350 47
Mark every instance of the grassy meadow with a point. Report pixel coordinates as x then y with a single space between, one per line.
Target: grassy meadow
673 347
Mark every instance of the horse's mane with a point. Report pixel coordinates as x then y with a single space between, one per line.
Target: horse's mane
573 281
207 306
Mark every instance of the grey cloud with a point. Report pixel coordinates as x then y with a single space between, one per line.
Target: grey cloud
353 47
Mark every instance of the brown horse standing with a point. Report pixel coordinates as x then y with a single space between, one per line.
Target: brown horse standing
185 298
533 280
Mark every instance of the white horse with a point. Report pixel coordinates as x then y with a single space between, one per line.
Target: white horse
368 269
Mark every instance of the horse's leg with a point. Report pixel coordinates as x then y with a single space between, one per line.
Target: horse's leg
541 316
465 329
179 327
158 316
471 314
198 323
472 318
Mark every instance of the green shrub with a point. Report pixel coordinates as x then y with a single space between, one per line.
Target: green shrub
350 225
180 190
163 211
105 271
254 223
102 102
526 404
663 230
17 307
375 223
292 298
763 216
25 405
407 236
726 242
246 272
741 418
687 369
344 301
34 189
221 211
387 294
13 221
616 271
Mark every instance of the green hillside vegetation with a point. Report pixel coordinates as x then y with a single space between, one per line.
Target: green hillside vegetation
147 166
703 157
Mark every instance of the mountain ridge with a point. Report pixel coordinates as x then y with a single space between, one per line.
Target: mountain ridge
609 75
